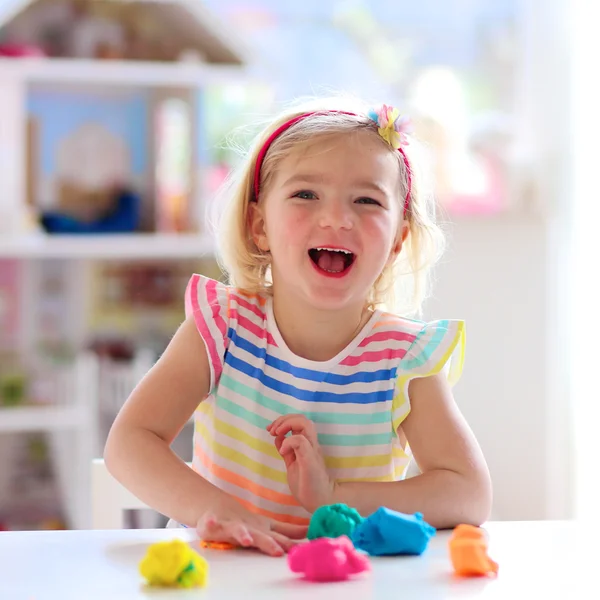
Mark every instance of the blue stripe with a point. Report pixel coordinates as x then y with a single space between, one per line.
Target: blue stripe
335 418
441 329
307 395
310 374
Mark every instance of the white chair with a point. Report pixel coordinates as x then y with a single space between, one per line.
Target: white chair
110 499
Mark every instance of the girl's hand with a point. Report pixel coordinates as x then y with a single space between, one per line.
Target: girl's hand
307 475
234 524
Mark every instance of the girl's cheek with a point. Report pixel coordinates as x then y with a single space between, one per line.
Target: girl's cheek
293 220
380 225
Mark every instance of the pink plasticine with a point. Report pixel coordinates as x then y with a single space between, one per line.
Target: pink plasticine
327 559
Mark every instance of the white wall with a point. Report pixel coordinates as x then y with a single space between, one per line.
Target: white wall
508 278
494 277
583 259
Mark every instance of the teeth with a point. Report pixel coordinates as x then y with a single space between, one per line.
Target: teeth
335 250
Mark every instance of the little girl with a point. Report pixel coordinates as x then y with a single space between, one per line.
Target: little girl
304 391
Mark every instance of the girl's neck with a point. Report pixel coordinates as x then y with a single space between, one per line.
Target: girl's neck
313 334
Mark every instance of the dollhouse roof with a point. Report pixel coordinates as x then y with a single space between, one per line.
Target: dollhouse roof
176 26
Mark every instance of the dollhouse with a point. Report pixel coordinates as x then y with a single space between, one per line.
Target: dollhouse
103 164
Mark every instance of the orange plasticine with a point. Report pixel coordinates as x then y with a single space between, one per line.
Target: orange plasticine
216 545
469 552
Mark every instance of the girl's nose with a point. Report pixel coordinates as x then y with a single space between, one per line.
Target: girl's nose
336 215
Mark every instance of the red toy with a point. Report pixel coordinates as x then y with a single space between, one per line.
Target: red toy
327 559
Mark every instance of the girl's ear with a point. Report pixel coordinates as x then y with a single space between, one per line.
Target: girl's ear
400 238
257 226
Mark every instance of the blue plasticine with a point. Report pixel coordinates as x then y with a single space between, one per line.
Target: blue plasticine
387 532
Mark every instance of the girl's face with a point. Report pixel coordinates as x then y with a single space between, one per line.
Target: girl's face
331 219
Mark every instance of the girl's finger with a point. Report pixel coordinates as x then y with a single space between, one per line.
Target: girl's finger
285 542
275 423
288 458
278 441
210 519
239 534
209 527
266 544
297 445
284 419
297 425
294 532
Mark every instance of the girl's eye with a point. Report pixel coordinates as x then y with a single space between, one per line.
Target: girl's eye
368 201
305 195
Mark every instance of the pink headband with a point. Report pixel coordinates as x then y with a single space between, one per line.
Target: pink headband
391 127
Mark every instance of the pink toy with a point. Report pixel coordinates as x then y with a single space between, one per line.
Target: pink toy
20 50
327 559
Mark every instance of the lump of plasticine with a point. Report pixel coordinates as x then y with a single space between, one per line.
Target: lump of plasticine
174 564
468 548
327 559
332 521
387 532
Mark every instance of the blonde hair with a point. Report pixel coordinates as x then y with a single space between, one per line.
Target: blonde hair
404 284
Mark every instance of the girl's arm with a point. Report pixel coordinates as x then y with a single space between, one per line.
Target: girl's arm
138 452
454 486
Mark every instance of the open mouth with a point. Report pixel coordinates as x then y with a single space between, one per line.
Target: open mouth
333 261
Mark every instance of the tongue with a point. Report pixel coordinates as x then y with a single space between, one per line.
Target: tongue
331 261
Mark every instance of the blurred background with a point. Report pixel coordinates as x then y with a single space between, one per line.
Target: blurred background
117 123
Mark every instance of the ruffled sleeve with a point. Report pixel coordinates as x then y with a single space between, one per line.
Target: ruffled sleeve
208 301
438 347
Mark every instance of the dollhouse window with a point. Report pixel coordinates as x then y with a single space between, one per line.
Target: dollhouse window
173 165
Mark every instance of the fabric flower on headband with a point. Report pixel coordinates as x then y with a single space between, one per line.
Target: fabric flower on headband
392 127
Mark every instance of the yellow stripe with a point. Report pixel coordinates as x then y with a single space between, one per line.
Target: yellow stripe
332 462
459 340
205 408
400 400
457 368
241 459
281 477
397 421
242 436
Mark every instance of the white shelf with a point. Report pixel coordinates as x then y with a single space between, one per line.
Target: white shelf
107 246
118 72
40 418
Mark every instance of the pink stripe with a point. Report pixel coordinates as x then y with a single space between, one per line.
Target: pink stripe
241 301
253 328
192 302
217 309
352 361
385 336
191 295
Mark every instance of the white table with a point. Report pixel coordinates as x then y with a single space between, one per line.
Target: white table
537 560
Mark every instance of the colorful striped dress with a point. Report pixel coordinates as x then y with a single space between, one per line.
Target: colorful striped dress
357 400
